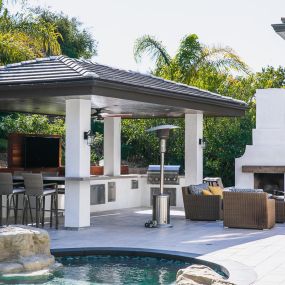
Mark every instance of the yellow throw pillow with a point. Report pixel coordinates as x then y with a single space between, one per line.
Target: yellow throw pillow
206 192
216 190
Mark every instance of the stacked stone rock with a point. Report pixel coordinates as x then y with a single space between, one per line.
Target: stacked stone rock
24 249
200 275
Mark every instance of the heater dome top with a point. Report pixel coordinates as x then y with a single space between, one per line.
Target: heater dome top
162 127
162 131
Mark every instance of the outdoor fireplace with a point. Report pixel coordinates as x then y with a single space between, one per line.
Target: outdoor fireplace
263 163
272 183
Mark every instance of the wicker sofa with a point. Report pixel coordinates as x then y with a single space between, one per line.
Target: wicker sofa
248 210
201 208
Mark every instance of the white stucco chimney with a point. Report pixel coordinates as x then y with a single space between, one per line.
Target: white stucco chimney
268 139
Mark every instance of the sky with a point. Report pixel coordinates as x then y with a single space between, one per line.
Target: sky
244 25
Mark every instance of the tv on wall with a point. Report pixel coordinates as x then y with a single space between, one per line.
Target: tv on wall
41 152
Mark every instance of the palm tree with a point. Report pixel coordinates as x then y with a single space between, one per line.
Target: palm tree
191 57
26 37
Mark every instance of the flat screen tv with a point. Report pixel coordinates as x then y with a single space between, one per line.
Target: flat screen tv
41 152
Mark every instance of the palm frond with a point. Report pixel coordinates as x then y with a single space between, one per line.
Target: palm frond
224 59
151 46
189 51
188 54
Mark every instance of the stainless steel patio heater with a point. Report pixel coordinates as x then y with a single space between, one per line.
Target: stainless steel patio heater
161 202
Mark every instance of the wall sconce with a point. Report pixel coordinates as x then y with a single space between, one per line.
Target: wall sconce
89 137
202 143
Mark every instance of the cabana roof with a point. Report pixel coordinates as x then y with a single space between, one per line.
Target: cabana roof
280 28
43 85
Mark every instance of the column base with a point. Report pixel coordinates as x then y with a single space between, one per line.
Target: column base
76 228
77 204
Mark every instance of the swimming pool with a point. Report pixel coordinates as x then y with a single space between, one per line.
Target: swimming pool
114 267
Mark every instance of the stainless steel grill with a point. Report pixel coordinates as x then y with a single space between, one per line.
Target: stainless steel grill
171 174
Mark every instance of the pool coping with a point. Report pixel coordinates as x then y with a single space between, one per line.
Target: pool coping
143 252
238 273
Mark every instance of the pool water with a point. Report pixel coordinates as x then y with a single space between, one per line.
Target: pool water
112 270
117 270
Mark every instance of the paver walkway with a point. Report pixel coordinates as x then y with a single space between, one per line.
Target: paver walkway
252 256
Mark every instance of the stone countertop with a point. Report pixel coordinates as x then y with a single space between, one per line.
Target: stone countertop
108 177
103 177
91 177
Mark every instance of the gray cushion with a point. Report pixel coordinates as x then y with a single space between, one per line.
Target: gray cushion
245 190
197 189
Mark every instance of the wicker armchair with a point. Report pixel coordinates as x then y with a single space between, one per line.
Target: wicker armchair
201 208
248 210
280 210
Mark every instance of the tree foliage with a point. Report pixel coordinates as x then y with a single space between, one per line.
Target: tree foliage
31 124
40 33
76 41
190 58
140 148
24 37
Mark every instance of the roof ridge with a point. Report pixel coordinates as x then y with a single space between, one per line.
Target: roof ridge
25 62
70 62
74 63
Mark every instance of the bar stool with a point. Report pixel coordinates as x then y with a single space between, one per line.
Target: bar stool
12 192
60 187
35 187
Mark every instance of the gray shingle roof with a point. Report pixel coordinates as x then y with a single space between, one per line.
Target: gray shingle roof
280 28
61 68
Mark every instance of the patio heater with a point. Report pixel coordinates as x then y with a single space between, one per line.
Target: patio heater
161 202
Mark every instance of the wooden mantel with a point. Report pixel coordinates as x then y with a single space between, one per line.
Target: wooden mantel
263 169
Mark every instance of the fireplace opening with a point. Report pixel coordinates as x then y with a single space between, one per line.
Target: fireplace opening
272 183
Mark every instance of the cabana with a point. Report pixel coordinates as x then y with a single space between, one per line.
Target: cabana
70 87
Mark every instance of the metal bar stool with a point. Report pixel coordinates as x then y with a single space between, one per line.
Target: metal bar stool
12 192
60 187
36 188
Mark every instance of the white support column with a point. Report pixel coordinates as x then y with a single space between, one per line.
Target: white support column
112 146
193 150
77 164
